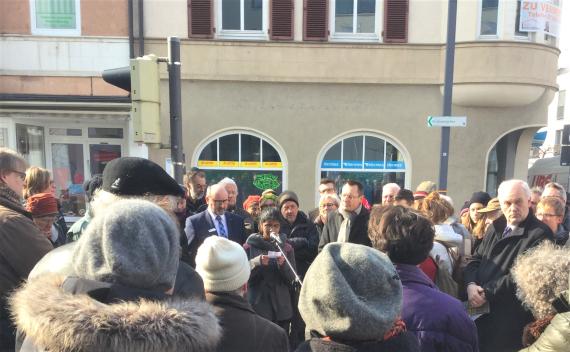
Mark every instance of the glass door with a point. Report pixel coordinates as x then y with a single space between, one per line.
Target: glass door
68 166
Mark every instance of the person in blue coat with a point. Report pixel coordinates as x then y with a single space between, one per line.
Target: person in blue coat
438 320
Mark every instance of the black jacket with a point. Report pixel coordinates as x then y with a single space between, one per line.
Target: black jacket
490 267
358 231
302 235
404 342
242 329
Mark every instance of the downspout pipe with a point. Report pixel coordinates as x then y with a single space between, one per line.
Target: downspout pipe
131 29
141 28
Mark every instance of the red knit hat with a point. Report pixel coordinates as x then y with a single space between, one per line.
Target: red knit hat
250 200
42 204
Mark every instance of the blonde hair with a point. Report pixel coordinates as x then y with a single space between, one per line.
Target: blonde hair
435 208
553 203
541 274
37 181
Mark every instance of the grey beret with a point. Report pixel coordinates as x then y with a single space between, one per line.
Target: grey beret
351 292
134 243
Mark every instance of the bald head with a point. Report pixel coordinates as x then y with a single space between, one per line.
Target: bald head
217 199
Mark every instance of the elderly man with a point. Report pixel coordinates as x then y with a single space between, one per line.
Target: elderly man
389 192
488 274
195 183
326 186
215 220
350 222
224 267
232 189
554 189
124 178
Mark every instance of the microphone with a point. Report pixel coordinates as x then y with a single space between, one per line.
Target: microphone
275 237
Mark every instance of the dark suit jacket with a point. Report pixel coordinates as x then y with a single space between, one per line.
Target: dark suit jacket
204 227
358 231
490 267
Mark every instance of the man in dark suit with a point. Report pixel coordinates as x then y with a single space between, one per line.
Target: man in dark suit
350 222
488 273
215 220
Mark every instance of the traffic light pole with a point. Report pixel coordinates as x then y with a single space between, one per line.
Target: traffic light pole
447 93
176 149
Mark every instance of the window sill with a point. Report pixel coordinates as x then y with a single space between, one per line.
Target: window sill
488 37
57 32
352 38
243 35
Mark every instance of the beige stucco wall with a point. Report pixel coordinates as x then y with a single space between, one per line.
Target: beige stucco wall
302 118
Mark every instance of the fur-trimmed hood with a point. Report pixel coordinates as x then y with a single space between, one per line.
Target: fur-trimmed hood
56 320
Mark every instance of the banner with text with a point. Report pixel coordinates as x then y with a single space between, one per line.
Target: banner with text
540 16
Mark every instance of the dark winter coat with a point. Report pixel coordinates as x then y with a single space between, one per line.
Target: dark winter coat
302 235
188 282
501 329
22 245
404 342
57 314
358 231
244 330
269 286
438 320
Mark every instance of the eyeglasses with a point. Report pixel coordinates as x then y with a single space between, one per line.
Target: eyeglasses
328 205
19 173
547 215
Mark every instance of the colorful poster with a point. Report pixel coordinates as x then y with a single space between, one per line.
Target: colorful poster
540 16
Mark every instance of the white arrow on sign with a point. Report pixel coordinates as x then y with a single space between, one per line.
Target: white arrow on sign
447 121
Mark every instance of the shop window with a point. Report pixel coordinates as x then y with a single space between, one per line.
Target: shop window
250 160
30 144
366 158
55 17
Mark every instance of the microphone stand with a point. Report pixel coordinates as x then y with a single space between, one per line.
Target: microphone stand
297 279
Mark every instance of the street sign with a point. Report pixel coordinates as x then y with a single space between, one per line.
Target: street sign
447 121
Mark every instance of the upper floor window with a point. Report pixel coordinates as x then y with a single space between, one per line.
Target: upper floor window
243 18
353 18
55 17
518 32
489 18
561 104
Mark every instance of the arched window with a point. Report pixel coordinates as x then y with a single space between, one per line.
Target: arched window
370 159
249 159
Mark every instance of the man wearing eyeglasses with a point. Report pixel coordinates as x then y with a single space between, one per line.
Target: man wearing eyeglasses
550 211
350 222
214 221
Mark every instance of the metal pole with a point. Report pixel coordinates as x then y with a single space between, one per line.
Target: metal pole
176 150
447 92
141 28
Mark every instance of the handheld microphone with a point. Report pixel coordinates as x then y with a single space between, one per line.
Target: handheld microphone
275 237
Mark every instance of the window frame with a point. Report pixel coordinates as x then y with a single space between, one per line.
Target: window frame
356 37
499 22
407 170
516 35
263 34
56 31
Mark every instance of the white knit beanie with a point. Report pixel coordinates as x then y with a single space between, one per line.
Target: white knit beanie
222 264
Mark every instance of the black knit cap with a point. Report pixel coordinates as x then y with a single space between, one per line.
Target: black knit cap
480 197
287 196
131 176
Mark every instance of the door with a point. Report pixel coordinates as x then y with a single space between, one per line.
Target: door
68 166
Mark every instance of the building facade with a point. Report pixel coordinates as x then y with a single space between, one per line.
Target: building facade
279 93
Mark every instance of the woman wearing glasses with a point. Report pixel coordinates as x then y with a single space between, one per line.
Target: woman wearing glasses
21 242
328 202
39 181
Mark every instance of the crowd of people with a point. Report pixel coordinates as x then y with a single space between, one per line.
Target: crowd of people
158 266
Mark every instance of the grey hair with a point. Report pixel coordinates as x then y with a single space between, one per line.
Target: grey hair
331 196
559 188
391 185
227 181
103 199
536 190
509 184
541 274
11 161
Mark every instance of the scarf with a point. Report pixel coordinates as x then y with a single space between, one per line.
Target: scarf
398 327
8 195
532 331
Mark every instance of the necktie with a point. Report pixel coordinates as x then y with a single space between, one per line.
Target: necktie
222 229
507 231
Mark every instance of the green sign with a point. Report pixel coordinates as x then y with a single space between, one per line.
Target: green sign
265 181
55 14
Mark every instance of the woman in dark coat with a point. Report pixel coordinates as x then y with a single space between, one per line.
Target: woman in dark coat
271 277
438 320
